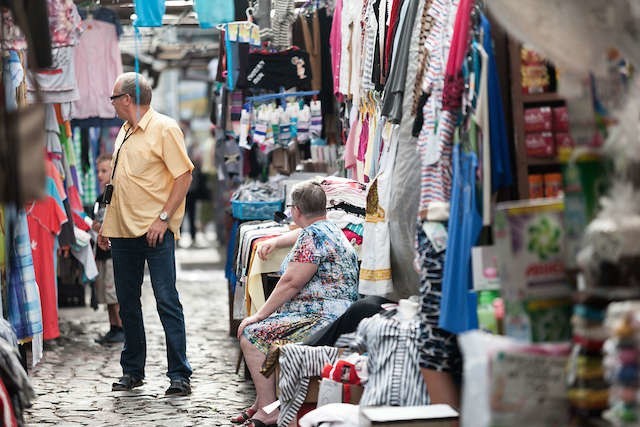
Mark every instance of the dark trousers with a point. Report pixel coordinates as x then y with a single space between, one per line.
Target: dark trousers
129 256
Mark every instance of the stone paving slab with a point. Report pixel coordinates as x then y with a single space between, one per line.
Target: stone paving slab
73 381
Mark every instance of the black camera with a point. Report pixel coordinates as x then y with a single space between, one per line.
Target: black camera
108 192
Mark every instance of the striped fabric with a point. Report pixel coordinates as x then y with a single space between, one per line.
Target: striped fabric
394 372
282 17
426 23
356 228
368 47
298 364
25 313
435 141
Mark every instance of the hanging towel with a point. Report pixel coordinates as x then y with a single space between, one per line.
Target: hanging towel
211 13
149 13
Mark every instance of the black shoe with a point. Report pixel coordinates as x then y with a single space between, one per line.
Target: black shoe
179 387
114 336
126 383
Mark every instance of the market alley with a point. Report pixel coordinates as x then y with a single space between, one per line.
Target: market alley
73 380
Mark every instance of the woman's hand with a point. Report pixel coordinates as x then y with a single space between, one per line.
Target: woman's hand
266 247
248 321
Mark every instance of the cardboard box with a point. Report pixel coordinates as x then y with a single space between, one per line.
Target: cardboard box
400 416
540 144
312 392
560 119
334 392
539 119
529 240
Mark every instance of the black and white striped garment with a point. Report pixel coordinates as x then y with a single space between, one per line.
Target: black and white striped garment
394 373
298 363
281 20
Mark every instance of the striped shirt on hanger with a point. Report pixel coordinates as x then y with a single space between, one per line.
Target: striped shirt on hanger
394 372
298 364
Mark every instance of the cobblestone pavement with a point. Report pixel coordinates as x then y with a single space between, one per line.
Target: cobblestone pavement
73 380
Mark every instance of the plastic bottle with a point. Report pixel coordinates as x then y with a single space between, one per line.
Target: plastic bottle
486 313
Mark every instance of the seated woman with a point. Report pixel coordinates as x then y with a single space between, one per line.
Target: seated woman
319 282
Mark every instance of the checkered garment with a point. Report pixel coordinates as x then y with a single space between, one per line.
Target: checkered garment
25 313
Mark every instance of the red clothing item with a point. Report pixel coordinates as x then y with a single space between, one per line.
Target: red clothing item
352 237
79 222
394 17
45 218
74 199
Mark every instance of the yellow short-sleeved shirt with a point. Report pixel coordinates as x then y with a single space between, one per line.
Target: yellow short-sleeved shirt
152 156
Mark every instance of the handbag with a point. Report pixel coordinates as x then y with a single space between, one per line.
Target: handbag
22 141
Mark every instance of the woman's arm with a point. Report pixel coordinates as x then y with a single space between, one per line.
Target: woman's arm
292 281
282 241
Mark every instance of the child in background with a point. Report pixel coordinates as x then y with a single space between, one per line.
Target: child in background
105 285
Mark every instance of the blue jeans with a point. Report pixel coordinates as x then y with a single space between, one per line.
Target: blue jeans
129 255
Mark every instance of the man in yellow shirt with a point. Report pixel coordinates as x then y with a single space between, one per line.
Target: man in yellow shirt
150 178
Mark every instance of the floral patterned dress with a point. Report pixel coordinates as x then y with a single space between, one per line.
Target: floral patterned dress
331 290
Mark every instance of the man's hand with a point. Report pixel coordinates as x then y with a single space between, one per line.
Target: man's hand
103 242
155 234
248 321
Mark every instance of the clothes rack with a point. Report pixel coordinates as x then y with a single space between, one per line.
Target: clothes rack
281 95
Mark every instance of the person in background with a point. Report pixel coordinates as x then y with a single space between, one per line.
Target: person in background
151 175
105 285
197 190
318 284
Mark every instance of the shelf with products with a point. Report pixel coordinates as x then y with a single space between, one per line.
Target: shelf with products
542 98
545 138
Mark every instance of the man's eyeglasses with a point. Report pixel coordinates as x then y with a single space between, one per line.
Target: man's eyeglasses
114 97
290 206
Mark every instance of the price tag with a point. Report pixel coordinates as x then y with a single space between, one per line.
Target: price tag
232 32
244 33
255 36
437 235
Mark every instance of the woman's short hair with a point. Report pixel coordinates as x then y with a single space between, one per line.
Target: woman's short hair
128 86
310 199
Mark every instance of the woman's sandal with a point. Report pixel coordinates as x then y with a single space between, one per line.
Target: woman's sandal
257 423
244 416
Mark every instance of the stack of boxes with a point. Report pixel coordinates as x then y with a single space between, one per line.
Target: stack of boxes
547 136
547 132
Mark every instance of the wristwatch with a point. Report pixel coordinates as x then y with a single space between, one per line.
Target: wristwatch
164 216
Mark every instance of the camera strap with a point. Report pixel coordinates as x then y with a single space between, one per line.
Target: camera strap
127 135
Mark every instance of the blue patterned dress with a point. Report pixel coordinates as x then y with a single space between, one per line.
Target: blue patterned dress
331 290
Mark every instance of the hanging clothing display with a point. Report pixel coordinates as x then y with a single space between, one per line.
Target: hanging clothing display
288 68
98 63
458 304
375 269
395 84
436 137
403 204
24 311
45 218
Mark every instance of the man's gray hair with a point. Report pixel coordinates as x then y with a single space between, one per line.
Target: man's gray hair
128 86
310 198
